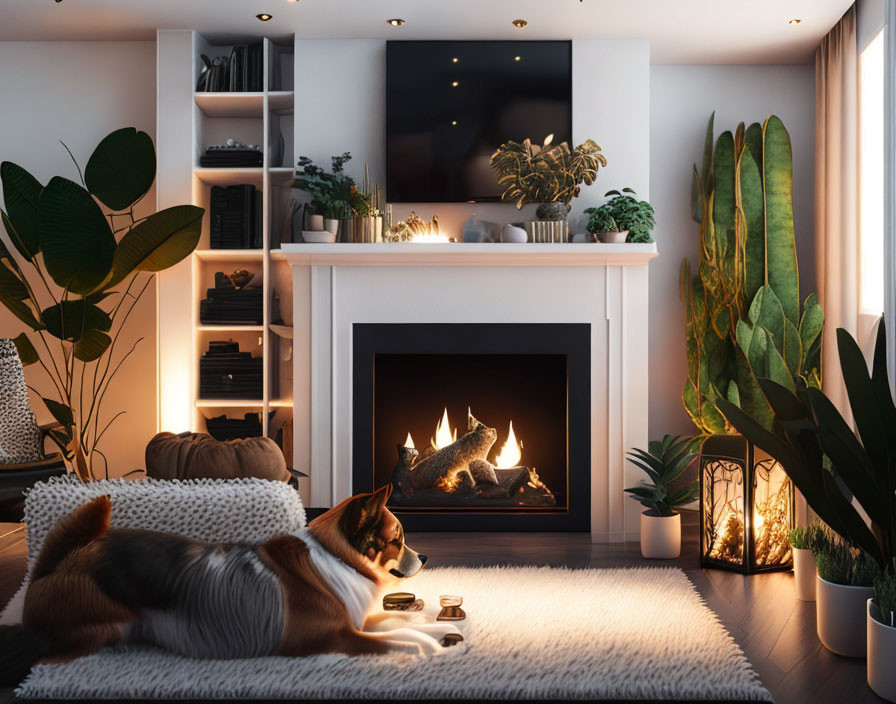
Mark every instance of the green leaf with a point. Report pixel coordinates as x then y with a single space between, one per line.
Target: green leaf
11 285
26 350
21 194
811 324
749 185
705 174
77 243
71 320
122 168
92 345
62 413
22 311
159 242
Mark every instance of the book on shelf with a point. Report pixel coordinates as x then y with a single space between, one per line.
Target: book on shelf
242 71
235 215
227 373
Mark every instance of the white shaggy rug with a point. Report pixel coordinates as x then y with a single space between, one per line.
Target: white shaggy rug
530 633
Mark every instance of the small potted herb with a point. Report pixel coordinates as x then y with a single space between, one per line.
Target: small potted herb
802 541
664 462
631 219
842 590
881 624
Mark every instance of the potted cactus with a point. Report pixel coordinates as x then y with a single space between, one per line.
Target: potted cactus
664 462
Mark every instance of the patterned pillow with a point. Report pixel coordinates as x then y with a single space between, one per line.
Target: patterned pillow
19 433
248 511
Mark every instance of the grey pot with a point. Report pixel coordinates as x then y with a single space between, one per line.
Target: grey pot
553 211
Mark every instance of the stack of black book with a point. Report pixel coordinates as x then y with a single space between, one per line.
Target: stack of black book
225 372
227 305
242 71
218 157
235 217
223 428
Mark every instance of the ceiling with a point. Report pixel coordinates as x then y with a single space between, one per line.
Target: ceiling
680 31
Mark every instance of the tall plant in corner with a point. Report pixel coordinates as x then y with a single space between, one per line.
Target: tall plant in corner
744 321
79 265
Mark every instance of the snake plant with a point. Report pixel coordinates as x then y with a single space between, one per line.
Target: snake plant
744 320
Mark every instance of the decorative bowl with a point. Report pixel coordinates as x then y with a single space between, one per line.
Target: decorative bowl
318 236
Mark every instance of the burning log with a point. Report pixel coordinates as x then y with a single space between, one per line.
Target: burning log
447 462
483 472
513 479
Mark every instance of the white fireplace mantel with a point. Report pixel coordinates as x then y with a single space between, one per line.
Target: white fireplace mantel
603 285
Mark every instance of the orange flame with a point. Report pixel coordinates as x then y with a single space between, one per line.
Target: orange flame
409 442
511 453
444 436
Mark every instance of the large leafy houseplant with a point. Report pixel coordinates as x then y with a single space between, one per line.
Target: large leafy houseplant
743 315
546 173
830 464
334 193
79 264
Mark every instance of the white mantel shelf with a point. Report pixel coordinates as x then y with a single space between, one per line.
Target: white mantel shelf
466 254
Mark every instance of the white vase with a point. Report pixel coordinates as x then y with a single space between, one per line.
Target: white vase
804 573
316 222
660 536
514 234
881 655
331 225
841 612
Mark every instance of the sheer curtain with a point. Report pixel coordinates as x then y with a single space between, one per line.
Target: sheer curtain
836 194
890 186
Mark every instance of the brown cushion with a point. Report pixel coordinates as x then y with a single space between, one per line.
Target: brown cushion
200 456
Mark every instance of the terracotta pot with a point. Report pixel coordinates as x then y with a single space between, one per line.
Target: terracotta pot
613 237
660 536
316 222
804 574
841 613
881 655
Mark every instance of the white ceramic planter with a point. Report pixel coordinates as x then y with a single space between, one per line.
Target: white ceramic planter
331 225
660 536
613 237
841 612
881 656
804 574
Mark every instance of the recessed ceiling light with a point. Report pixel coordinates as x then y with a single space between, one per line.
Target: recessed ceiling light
517 58
264 16
454 84
520 23
395 22
454 60
794 21
454 122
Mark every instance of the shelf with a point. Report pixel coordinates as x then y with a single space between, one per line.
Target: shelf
230 328
281 175
280 403
228 403
230 177
281 101
230 255
277 255
230 104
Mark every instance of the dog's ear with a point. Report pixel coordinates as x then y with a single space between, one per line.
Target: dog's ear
364 511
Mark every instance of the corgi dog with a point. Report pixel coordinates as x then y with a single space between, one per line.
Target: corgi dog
300 594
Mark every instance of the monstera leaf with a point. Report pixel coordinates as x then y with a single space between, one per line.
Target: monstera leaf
122 168
77 244
21 193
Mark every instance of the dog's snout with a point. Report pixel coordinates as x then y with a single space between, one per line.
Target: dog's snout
422 559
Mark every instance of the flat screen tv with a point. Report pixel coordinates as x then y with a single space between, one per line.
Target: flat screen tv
450 104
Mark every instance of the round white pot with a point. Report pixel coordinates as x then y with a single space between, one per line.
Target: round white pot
660 536
612 237
804 574
331 225
840 617
881 656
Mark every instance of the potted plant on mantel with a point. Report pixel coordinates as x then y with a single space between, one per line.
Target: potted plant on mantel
882 637
550 175
664 462
833 467
94 261
622 219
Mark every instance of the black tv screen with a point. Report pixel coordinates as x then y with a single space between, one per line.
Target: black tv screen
449 105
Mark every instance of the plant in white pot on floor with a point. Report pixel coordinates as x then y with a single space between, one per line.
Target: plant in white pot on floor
882 637
664 461
844 585
802 541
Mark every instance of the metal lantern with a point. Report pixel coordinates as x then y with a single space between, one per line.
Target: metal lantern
746 507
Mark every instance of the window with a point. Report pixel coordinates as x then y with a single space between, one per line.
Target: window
871 182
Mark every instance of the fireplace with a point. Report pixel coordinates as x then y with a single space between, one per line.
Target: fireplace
475 426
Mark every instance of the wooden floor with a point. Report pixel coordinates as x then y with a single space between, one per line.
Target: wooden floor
776 631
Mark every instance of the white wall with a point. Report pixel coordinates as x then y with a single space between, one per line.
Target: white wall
78 92
681 100
341 84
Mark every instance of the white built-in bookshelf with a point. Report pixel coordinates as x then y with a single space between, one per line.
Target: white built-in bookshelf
189 122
